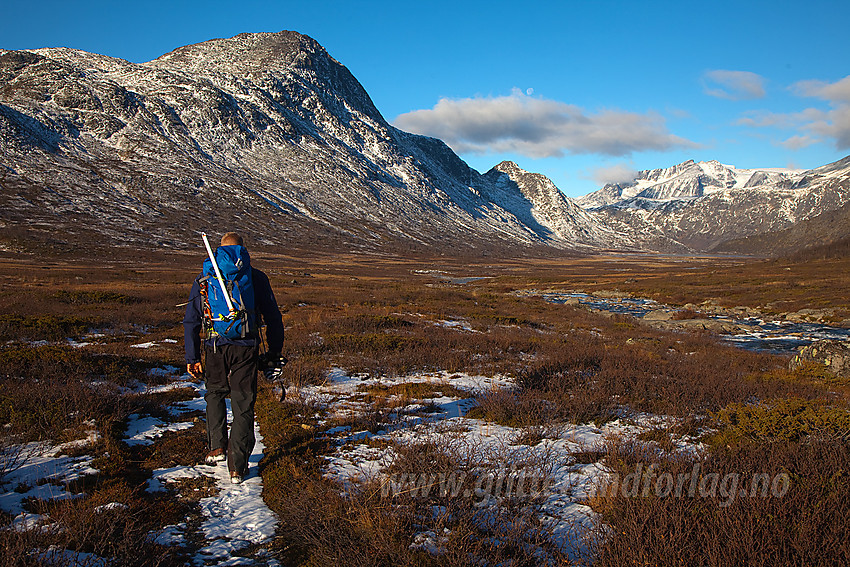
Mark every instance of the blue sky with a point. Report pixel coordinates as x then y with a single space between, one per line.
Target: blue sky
584 92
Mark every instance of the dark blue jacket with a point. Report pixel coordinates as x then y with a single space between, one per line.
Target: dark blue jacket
265 305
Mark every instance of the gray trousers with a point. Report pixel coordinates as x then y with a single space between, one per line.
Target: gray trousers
231 370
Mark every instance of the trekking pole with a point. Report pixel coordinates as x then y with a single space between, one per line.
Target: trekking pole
218 274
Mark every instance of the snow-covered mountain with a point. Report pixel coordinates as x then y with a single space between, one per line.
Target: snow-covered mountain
550 207
264 133
688 180
698 206
268 134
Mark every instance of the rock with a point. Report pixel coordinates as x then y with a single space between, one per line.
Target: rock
816 315
658 315
711 306
715 326
611 294
795 317
603 312
835 355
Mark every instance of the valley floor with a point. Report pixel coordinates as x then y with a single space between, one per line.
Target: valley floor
437 412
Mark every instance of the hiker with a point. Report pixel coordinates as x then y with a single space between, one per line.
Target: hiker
231 347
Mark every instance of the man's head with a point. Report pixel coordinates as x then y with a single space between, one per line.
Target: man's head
232 238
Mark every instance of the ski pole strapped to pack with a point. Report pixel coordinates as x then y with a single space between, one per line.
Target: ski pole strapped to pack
227 292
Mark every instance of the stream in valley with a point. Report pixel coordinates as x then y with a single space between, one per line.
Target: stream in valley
752 333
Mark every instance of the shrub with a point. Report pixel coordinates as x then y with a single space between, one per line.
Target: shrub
54 401
684 314
787 419
93 297
745 522
42 327
114 523
514 409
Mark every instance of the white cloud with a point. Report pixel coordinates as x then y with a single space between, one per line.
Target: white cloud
835 123
617 173
812 124
538 127
765 119
733 85
837 92
798 142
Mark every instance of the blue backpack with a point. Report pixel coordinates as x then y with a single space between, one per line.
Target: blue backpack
235 266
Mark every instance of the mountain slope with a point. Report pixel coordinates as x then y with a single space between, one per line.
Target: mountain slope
824 229
264 133
269 135
698 206
535 199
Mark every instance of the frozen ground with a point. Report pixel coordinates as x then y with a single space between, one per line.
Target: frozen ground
235 518
501 459
236 522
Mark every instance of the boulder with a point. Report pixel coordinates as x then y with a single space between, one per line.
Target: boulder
721 326
835 355
611 294
659 315
813 315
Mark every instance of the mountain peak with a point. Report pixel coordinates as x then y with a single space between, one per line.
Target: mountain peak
265 59
246 53
515 172
549 207
508 166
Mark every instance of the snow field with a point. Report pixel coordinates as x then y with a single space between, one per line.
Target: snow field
234 518
494 454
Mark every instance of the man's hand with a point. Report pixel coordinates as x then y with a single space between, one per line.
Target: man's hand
272 366
196 370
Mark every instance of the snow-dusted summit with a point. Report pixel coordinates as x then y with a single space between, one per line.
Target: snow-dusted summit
688 180
550 207
698 206
264 133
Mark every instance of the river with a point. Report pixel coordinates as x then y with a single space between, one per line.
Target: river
780 337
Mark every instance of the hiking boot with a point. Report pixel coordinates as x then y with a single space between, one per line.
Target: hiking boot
235 477
215 457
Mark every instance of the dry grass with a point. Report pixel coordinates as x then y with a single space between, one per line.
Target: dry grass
805 526
375 315
54 393
114 521
322 525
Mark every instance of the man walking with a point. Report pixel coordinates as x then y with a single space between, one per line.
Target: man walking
231 347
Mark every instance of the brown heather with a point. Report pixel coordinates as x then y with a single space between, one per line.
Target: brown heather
376 315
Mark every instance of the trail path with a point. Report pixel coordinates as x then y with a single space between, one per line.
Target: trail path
236 518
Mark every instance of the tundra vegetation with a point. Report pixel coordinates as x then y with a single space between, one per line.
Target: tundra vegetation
378 316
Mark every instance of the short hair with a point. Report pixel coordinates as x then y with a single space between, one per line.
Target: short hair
232 238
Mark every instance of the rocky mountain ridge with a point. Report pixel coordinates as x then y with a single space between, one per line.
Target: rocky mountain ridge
700 206
268 134
263 133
